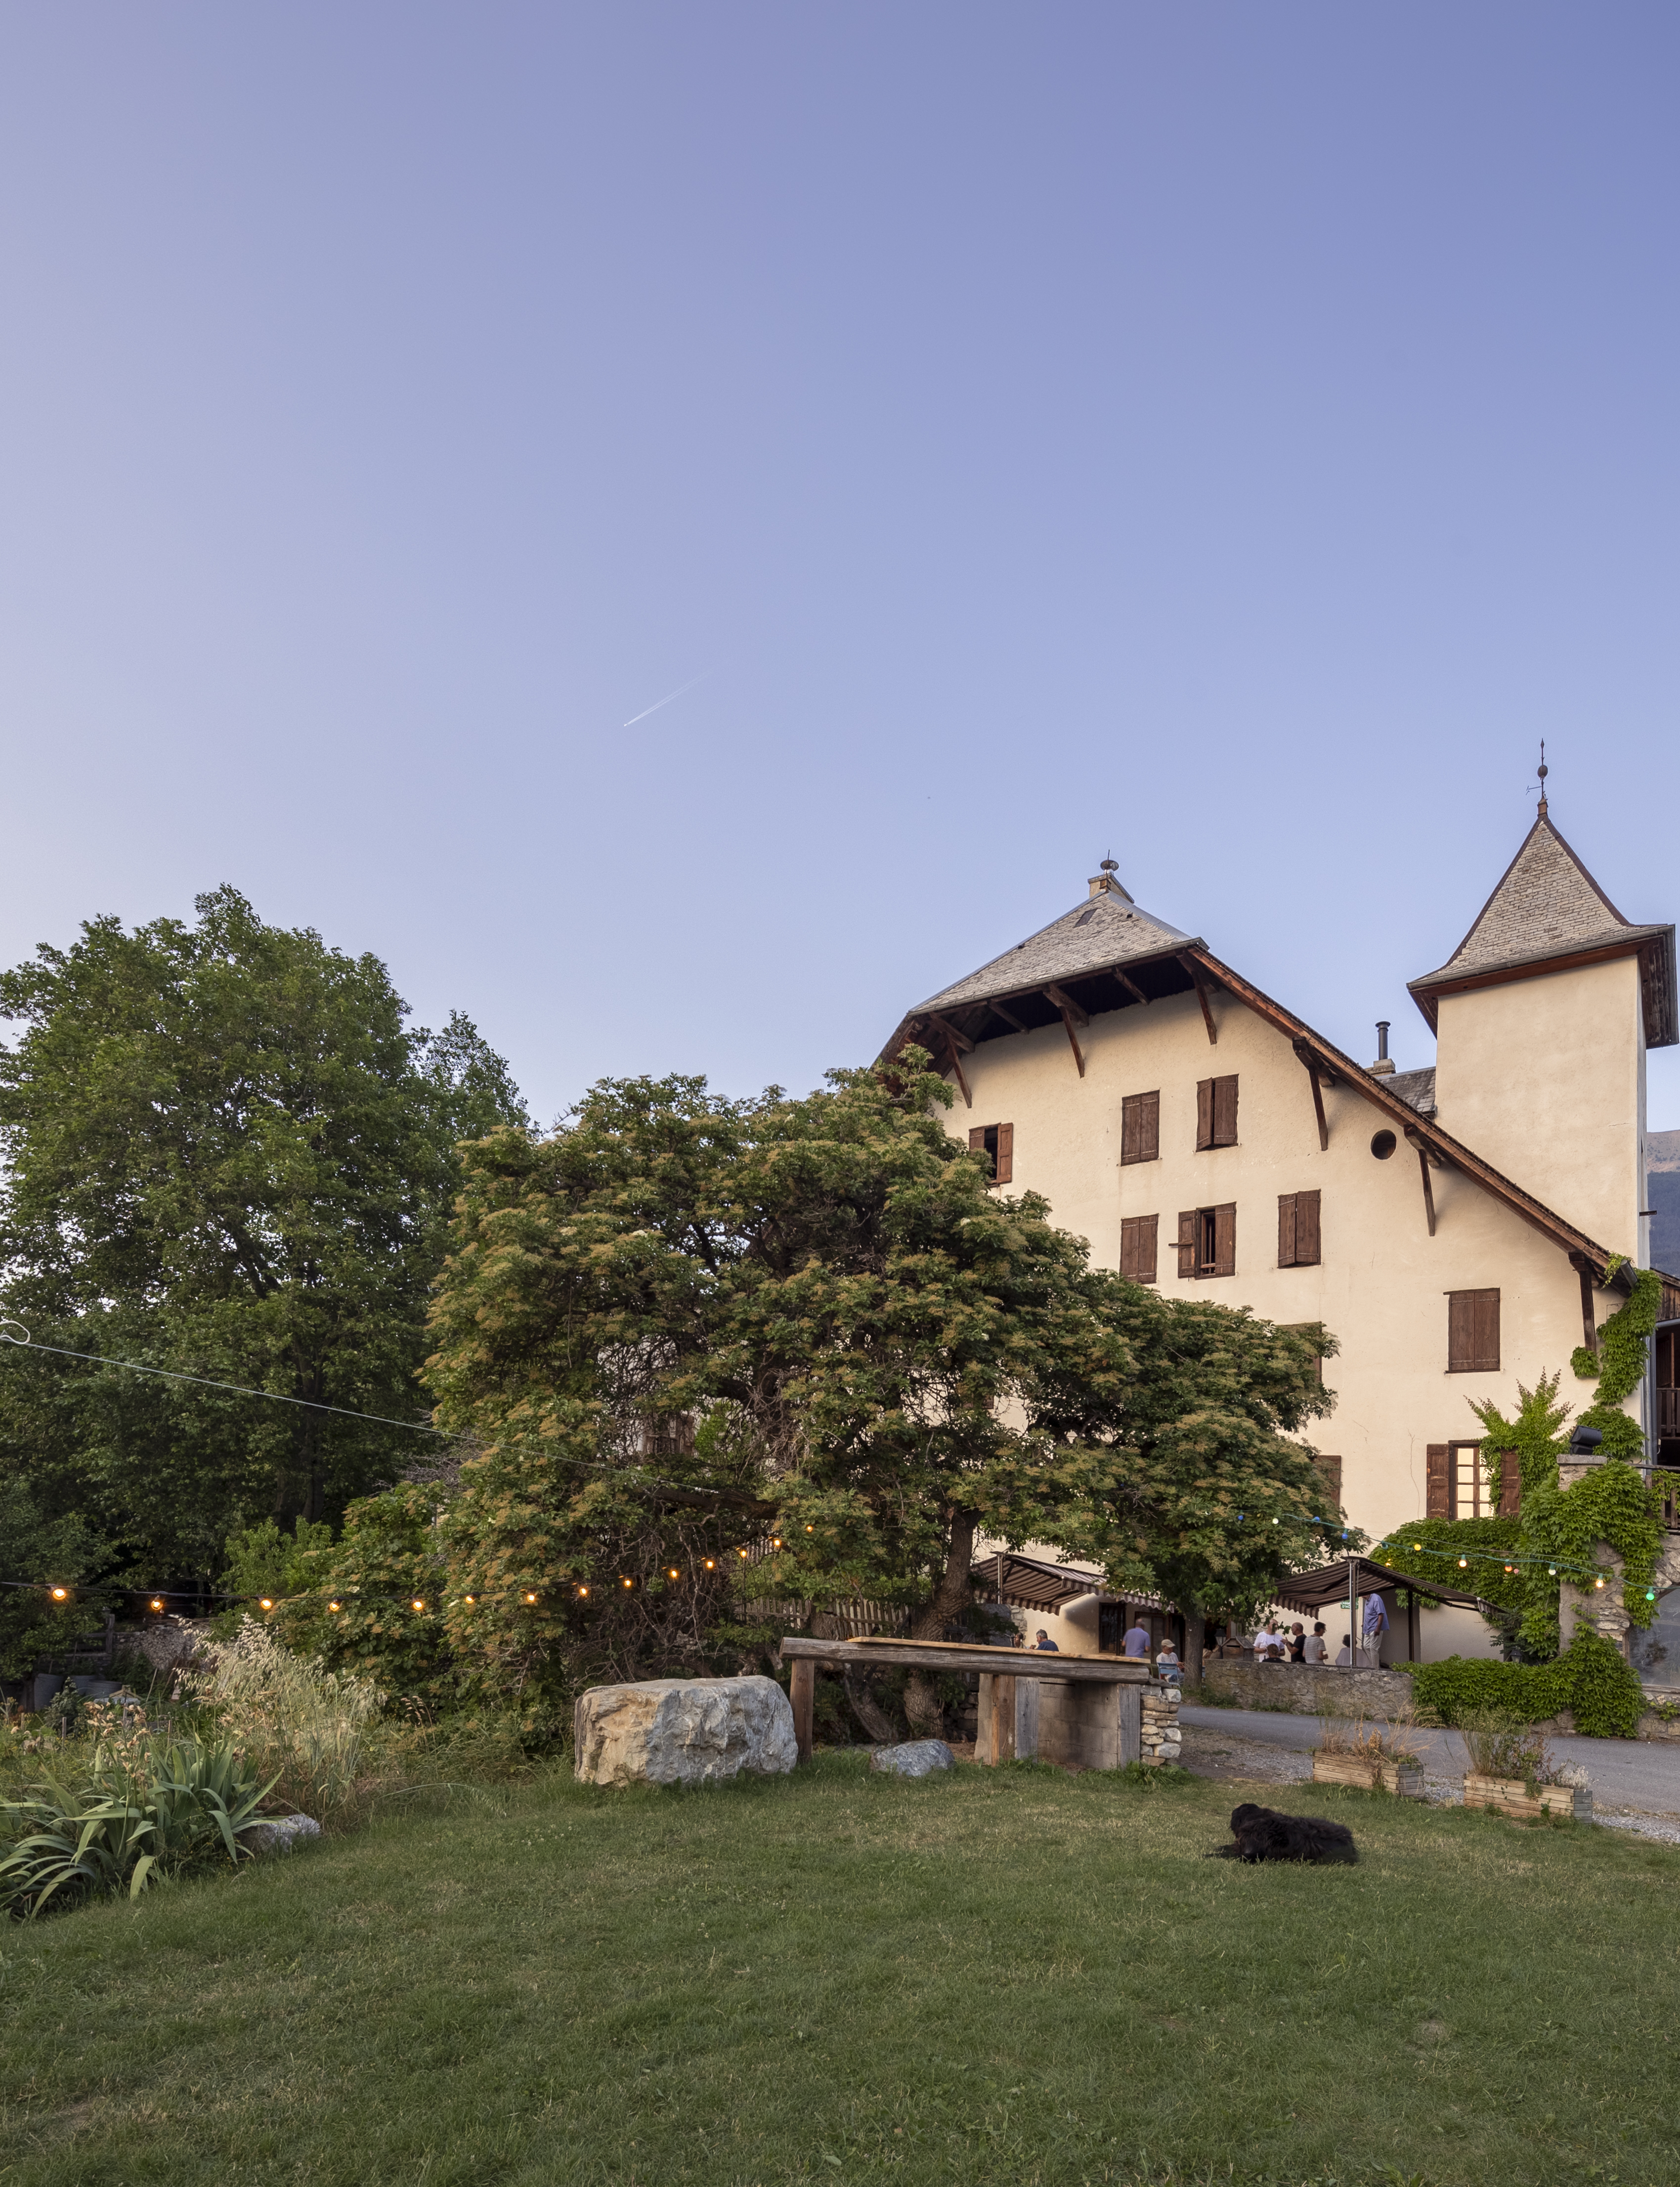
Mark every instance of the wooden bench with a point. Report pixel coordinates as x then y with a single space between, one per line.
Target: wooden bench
1085 1711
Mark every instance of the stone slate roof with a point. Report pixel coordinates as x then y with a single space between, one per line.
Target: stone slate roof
1547 906
1106 930
1415 1087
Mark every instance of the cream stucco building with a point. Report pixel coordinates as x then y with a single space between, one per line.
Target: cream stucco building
1453 1226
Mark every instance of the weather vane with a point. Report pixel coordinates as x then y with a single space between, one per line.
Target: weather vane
1544 772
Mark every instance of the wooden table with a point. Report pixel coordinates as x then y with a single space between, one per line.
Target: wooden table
1085 1711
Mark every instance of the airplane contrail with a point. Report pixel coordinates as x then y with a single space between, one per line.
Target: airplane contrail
666 700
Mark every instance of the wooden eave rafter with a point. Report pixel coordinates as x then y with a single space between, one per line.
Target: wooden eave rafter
957 1039
909 1026
1131 986
1432 1141
1070 1011
1192 960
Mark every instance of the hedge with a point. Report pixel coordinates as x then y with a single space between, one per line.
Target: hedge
1590 1679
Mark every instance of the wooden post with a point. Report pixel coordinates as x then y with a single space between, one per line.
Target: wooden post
802 1693
1412 1640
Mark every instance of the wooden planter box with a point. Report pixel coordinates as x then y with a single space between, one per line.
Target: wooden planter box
1511 1796
1404 1779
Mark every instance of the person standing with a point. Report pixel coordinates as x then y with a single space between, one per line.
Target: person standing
1376 1627
1314 1651
1297 1643
1135 1642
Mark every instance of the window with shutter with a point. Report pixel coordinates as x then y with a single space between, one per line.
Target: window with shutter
1207 1241
1437 1491
1511 1485
996 1141
1472 1332
1188 1226
1138 1236
1329 1473
1140 1127
1215 1113
1297 1229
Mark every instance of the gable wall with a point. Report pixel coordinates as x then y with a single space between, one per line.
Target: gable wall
1382 1281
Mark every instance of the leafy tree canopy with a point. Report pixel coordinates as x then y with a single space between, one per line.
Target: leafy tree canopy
885 1357
227 1153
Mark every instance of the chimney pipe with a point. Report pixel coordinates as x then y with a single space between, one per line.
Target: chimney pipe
1382 1068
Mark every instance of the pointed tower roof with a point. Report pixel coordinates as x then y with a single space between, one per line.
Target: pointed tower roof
1549 914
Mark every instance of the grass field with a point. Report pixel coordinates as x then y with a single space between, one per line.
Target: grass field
1010 1976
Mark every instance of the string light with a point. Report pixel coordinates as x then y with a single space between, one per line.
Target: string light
583 1590
811 1530
416 1604
1599 1581
775 1541
470 1598
335 1606
61 1594
157 1602
671 1572
740 1552
530 1597
264 1602
711 1564
624 1582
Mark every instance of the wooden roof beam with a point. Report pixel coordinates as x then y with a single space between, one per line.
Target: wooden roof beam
1007 1016
957 1039
1304 1054
1131 986
1066 1004
1194 970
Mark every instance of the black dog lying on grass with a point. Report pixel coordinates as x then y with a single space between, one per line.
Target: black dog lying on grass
1263 1833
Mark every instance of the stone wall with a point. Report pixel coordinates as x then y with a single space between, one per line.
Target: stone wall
1307 1689
1162 1736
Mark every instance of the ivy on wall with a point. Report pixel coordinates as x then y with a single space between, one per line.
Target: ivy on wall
1591 1678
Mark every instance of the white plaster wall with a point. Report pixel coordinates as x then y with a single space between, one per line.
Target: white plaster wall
1545 1078
1382 1284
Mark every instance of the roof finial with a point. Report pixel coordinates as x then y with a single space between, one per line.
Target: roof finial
1545 770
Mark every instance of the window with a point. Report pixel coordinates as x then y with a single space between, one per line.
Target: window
1207 1241
1215 1113
996 1141
1140 1127
1297 1229
1458 1483
1472 1332
1138 1235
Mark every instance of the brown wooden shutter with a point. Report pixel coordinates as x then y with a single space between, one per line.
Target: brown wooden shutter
1148 1231
1225 1239
977 1139
1286 1229
1204 1113
1329 1473
1224 1112
1487 1331
1186 1242
1129 1130
1128 1246
1472 1332
1438 1491
1510 1484
1148 1126
1006 1153
1306 1229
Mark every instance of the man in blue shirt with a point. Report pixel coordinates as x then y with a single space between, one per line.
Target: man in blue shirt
1045 1641
1136 1642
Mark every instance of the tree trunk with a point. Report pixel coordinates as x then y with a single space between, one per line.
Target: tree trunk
867 1711
952 1597
1195 1642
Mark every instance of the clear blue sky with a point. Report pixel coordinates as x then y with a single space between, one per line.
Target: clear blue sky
1228 435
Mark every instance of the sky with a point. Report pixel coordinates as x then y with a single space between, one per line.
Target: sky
1226 438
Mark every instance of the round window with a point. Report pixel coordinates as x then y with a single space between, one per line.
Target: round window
1383 1144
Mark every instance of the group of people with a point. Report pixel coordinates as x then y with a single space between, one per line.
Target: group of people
1295 1644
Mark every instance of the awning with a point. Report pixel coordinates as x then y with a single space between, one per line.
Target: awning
1029 1583
1318 1589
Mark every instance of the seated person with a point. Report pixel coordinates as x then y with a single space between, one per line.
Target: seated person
1345 1657
1045 1642
1167 1665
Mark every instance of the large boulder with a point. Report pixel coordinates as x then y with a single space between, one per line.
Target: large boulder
683 1731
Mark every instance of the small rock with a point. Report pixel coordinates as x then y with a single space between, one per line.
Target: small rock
282 1834
917 1757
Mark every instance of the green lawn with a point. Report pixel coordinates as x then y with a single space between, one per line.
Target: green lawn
1003 1978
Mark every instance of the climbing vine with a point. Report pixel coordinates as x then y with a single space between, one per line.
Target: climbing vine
1619 1367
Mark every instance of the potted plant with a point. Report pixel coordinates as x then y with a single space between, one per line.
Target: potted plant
1511 1771
1369 1757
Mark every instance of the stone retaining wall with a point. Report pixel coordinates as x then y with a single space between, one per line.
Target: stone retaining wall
1307 1688
1162 1736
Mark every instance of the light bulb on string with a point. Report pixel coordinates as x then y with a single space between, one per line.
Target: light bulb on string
469 1599
416 1604
61 1594
335 1606
265 1602
671 1572
157 1602
1464 1564
583 1590
624 1582
711 1564
1599 1581
530 1597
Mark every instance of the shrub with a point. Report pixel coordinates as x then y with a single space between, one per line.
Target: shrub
1591 1678
1501 1745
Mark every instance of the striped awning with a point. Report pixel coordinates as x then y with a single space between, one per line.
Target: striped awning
1029 1583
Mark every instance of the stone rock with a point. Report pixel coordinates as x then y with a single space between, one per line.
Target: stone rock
917 1757
683 1731
282 1834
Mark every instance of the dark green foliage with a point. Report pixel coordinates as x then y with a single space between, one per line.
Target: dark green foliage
1591 1678
1429 1550
59 1551
389 1558
266 1560
1620 1366
228 1154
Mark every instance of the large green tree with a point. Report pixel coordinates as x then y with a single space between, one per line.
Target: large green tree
227 1153
887 1358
